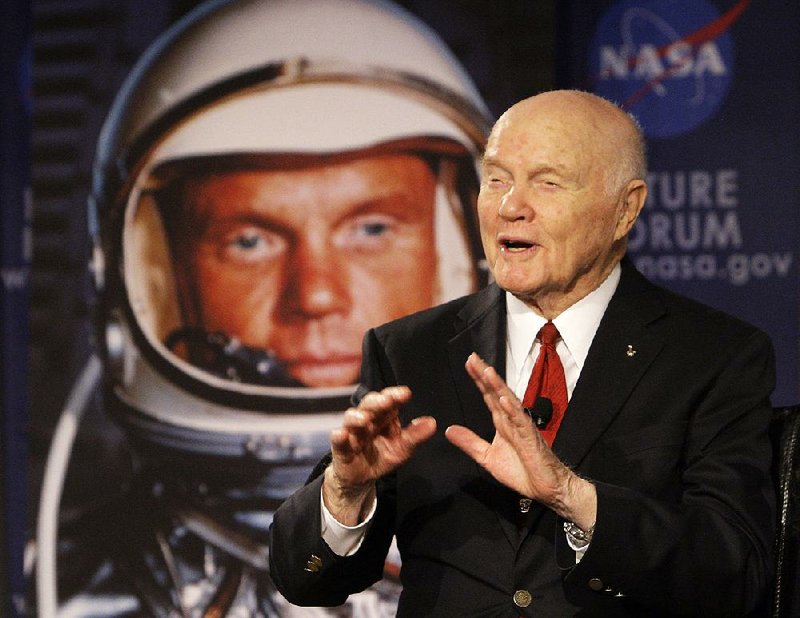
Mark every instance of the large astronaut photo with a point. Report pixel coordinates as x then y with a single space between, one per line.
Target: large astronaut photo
273 178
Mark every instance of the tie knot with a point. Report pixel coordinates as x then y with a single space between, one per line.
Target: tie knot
548 334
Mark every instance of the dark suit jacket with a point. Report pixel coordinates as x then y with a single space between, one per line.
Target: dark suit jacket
669 418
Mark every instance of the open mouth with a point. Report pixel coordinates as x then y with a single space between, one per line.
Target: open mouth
515 246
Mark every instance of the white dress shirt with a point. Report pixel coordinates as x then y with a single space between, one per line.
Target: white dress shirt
577 326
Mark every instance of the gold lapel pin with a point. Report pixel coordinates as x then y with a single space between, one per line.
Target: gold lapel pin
630 351
313 564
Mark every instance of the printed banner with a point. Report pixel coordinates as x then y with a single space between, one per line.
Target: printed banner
714 86
273 179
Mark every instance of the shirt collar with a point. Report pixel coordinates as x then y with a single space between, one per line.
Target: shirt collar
577 324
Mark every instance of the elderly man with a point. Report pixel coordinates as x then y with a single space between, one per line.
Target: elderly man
642 488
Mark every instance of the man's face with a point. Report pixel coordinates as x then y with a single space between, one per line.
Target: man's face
547 221
303 261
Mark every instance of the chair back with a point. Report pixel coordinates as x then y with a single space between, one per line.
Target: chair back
786 441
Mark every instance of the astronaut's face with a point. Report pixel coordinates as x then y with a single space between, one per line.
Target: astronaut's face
302 261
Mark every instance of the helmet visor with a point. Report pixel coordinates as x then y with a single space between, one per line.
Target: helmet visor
262 271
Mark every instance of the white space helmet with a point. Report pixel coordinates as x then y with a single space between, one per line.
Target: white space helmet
238 79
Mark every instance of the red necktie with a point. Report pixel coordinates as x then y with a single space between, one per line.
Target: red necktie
547 380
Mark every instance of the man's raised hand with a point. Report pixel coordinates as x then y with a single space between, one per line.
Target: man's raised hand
369 444
518 456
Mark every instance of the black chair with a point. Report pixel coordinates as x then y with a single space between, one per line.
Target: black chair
786 440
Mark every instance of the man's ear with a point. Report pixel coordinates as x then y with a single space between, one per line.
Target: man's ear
630 205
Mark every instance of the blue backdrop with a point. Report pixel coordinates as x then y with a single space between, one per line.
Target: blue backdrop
715 86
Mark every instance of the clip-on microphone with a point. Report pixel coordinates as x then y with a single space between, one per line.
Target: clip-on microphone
540 412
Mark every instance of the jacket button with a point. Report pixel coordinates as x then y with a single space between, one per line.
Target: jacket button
522 598
596 584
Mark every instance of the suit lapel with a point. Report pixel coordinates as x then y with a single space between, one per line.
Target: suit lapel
622 350
480 327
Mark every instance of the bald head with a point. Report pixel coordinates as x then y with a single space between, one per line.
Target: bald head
594 122
562 183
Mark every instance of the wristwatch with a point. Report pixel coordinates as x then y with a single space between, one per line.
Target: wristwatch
578 536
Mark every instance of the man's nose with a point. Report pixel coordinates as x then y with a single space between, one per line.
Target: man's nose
515 205
317 282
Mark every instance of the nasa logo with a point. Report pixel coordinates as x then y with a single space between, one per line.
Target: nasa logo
669 63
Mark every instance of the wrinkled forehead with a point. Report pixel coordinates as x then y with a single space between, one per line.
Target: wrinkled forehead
544 135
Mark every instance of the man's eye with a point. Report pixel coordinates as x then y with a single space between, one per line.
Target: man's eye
251 244
375 228
496 181
548 183
367 233
247 242
372 226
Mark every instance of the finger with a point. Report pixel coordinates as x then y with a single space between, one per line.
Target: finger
379 408
519 418
373 413
356 432
387 422
468 441
388 398
356 419
376 414
339 439
475 366
419 430
499 398
400 394
479 372
340 445
487 378
489 382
